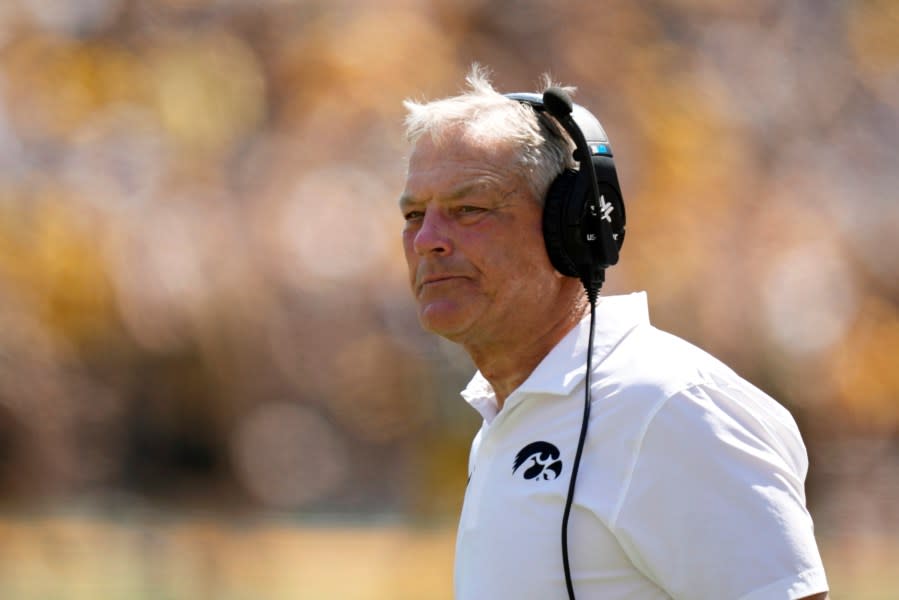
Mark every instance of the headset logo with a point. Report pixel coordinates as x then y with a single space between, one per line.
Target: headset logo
540 461
606 208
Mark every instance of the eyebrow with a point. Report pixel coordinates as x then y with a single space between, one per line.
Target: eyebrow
460 192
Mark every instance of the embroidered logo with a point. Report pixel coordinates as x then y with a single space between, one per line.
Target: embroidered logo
540 461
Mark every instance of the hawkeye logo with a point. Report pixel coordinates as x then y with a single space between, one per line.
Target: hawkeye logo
540 461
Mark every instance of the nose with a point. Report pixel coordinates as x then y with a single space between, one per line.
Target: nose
433 235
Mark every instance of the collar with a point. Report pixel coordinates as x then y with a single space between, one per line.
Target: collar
565 365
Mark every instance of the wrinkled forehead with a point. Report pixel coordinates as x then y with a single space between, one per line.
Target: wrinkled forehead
440 167
459 144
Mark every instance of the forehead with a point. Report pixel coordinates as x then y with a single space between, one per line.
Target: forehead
456 158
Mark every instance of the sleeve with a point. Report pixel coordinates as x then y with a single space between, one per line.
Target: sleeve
714 506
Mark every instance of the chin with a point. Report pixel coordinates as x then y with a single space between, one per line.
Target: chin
445 320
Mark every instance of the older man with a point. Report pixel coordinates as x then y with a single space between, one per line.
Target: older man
691 481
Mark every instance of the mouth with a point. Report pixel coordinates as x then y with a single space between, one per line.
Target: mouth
431 280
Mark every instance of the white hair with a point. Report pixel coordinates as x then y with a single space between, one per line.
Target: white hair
544 150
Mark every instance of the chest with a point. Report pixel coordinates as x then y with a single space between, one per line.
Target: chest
509 542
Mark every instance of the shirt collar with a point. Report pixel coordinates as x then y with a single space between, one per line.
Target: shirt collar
565 365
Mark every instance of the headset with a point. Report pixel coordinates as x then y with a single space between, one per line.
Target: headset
583 212
583 229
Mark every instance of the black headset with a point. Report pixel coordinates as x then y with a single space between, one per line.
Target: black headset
583 212
583 228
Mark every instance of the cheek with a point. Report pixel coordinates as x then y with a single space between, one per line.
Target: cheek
524 256
409 252
408 239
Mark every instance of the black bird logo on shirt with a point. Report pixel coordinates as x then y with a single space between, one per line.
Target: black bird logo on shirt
540 460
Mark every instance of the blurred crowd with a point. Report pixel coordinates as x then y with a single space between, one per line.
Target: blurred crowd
202 292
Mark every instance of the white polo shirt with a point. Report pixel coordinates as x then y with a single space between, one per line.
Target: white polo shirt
691 484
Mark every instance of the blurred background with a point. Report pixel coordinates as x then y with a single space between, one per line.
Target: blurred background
212 380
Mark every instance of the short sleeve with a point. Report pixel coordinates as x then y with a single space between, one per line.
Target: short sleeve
714 506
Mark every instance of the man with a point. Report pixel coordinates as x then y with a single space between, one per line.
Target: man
691 480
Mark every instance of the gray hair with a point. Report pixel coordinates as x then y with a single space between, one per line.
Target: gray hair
544 150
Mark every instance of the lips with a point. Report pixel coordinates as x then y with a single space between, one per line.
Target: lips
437 278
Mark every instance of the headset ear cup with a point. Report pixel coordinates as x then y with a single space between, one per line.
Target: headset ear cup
554 209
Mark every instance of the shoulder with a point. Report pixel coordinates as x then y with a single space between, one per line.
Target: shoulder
654 358
716 475
685 398
655 364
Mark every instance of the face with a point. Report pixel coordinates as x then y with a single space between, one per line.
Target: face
474 244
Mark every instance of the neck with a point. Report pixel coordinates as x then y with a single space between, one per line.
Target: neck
507 364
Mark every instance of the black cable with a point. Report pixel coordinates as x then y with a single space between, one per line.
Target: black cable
592 293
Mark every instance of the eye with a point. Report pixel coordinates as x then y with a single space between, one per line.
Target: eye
413 215
469 210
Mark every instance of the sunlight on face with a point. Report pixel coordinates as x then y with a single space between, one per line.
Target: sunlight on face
473 241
